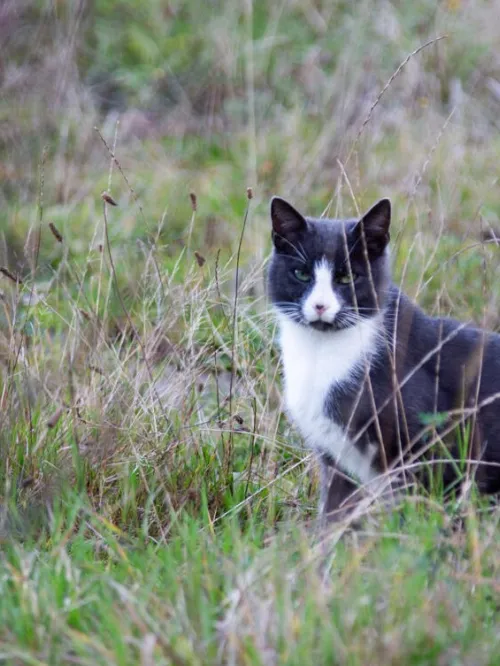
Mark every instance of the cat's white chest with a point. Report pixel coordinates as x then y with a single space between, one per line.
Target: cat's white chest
313 363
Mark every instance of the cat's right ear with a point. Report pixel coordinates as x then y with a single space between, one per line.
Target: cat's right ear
375 224
288 223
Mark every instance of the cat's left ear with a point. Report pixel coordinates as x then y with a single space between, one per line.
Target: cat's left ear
375 224
288 224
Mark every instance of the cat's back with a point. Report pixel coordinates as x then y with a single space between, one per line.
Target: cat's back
458 352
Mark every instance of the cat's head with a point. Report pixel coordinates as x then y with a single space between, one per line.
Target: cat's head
329 274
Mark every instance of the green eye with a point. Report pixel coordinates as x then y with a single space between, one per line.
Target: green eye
303 276
346 278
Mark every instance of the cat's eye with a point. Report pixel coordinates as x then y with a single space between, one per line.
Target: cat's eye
302 276
346 278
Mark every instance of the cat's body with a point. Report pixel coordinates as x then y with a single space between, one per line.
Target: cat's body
365 370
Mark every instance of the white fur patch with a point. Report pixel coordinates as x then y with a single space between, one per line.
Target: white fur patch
322 294
313 362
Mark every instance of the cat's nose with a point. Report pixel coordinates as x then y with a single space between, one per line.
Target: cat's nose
320 309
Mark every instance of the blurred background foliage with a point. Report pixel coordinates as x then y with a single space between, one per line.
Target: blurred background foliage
141 514
220 95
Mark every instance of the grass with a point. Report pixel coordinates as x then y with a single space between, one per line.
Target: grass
156 505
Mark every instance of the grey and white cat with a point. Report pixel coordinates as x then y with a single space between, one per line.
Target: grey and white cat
371 382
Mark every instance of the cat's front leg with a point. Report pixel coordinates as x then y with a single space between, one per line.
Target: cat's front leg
343 499
326 471
336 489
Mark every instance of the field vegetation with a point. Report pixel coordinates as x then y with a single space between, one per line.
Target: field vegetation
156 507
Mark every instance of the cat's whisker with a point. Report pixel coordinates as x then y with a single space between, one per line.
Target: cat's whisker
300 253
303 253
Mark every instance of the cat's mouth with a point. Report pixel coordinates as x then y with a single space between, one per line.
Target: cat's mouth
320 325
338 324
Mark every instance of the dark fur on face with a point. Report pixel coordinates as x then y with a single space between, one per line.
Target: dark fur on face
349 247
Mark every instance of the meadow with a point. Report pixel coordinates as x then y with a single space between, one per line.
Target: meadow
156 506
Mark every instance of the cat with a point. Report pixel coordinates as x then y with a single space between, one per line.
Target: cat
373 384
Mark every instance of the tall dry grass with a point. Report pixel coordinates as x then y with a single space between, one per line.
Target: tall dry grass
139 377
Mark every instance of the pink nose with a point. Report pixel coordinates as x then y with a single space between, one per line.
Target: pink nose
320 309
